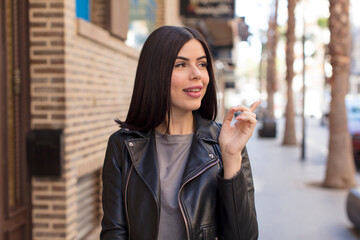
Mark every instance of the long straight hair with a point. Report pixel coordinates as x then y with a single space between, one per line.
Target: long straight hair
151 99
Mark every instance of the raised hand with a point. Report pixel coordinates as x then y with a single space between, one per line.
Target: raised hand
233 138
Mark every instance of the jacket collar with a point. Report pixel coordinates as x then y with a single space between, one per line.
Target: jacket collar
206 129
142 148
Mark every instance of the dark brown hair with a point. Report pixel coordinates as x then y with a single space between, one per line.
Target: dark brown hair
151 99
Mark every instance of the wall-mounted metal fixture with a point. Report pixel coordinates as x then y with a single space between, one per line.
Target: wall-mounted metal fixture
45 150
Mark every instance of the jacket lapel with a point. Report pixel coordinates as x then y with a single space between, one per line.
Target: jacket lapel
201 151
200 156
143 156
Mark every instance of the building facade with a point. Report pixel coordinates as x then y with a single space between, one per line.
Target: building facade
81 79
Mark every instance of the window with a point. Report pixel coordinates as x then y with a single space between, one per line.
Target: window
83 9
112 15
142 21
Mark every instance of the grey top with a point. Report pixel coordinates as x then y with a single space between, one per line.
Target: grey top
172 152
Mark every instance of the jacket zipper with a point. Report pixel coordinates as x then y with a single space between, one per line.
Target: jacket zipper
125 199
182 186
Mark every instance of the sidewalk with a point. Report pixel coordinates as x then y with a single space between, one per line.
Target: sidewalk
290 204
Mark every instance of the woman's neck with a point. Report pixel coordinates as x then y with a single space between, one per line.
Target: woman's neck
180 124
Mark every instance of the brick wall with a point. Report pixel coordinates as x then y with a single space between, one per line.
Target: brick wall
47 64
47 110
81 79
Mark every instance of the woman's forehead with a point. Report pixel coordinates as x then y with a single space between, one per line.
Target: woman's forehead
192 47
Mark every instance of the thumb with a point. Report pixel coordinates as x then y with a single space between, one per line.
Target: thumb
229 117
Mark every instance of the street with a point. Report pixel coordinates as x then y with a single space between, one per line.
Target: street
289 200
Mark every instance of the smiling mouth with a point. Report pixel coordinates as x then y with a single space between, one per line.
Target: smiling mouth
192 90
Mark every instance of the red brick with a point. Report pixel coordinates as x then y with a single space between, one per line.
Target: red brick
49 107
48 34
58 80
49 89
58 188
40 225
37 43
49 70
40 206
58 99
57 43
59 226
48 14
38 61
39 99
57 5
58 116
39 80
58 207
37 5
49 52
57 61
39 116
49 197
57 25
37 24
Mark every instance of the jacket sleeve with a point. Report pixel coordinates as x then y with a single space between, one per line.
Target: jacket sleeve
113 223
236 206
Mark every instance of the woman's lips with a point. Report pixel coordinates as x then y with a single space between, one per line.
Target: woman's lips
194 92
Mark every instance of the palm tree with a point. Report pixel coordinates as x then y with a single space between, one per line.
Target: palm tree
290 133
340 172
272 36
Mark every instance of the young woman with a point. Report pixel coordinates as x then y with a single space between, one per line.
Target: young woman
172 172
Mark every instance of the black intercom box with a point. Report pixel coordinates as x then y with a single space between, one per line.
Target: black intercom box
45 152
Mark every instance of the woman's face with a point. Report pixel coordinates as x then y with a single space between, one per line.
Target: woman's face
189 78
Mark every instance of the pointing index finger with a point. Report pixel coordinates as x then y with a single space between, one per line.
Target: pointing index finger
254 106
230 114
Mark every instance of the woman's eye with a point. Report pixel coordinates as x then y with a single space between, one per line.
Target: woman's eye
204 64
180 64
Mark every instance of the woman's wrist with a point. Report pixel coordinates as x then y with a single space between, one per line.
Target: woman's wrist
231 165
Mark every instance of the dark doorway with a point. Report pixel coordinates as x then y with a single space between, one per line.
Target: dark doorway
15 207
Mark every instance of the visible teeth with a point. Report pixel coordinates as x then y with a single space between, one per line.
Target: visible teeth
192 90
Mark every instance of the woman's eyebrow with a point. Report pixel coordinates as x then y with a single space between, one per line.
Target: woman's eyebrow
201 57
186 59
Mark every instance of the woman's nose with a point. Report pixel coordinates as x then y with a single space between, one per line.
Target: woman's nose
195 73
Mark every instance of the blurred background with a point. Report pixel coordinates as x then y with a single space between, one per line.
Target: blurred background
67 71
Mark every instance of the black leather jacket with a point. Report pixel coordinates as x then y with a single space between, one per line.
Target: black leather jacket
212 207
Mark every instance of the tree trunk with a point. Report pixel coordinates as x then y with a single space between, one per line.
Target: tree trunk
340 172
271 62
290 133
